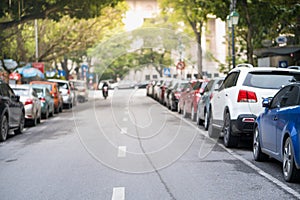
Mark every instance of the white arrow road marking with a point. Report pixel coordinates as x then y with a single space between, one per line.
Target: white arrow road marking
122 151
118 193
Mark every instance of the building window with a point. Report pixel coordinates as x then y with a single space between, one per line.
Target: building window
147 77
154 76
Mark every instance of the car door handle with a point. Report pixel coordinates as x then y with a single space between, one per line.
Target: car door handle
275 118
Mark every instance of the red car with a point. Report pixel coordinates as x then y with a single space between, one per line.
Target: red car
191 99
183 95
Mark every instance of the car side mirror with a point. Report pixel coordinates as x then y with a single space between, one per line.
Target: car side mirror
216 87
266 102
16 98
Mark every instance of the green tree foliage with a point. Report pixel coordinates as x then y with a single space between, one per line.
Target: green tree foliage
60 41
262 20
137 49
191 12
15 12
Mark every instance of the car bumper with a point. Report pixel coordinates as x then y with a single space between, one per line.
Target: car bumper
243 125
29 113
67 100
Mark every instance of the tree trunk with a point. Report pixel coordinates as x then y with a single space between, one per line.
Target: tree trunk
199 54
250 48
64 65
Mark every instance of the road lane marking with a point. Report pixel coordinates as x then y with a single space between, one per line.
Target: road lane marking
124 130
118 193
243 160
122 151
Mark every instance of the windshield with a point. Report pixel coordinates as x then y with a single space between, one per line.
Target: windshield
270 80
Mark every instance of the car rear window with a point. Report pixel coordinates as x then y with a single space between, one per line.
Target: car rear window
271 79
38 85
63 85
21 91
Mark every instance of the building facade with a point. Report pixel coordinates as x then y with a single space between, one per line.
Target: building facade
214 44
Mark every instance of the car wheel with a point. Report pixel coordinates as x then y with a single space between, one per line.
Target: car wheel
257 153
212 131
206 120
4 128
193 115
290 172
229 139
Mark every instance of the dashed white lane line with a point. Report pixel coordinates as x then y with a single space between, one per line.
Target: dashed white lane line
124 130
122 151
118 193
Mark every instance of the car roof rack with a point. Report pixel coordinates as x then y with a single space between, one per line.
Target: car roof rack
245 65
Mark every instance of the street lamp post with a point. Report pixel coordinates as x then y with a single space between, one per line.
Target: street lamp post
233 20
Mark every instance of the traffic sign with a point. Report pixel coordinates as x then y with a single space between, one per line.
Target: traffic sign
167 72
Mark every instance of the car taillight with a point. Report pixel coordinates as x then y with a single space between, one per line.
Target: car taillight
201 90
28 101
211 96
177 95
247 96
68 91
42 99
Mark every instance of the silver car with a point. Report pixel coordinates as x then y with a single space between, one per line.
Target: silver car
32 104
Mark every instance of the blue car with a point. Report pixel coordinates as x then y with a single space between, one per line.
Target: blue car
277 130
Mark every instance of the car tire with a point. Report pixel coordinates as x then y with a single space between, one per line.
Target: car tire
21 125
290 172
212 131
206 120
229 139
3 128
258 155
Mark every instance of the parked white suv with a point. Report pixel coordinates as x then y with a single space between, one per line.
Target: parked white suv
238 101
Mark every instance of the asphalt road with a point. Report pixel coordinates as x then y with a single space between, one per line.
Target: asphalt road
130 147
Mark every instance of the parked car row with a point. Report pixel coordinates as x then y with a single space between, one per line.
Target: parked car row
259 103
178 95
26 104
